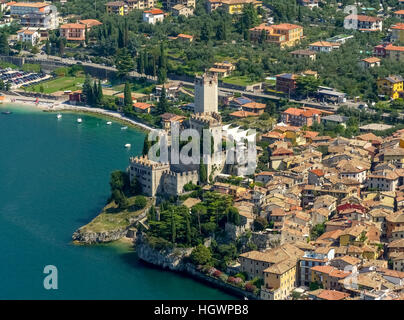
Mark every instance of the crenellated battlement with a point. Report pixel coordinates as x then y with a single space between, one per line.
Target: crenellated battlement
207 118
146 162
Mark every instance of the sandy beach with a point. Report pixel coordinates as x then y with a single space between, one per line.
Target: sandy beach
58 106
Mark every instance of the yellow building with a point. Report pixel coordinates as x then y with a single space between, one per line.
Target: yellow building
390 86
117 7
279 280
283 35
236 6
397 33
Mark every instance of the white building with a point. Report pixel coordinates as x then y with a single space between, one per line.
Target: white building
363 23
30 36
35 14
383 181
153 16
323 46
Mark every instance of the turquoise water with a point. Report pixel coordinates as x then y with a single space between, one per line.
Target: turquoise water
53 179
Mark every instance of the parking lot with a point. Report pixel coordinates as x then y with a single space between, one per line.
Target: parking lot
21 78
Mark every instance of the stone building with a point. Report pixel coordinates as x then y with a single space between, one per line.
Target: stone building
159 178
206 93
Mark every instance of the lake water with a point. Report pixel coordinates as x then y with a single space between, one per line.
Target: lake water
54 178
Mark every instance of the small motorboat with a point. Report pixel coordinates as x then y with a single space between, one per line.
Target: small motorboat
124 128
127 145
79 120
109 123
59 116
6 112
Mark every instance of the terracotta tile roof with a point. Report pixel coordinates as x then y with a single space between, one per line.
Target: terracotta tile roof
183 35
73 26
332 295
394 48
155 11
281 151
318 172
30 4
142 105
398 26
90 22
254 105
371 60
243 114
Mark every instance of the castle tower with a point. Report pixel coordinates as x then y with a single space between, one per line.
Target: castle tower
206 94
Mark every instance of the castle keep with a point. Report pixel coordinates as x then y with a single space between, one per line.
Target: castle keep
167 178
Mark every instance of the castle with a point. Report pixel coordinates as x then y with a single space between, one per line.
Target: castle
167 178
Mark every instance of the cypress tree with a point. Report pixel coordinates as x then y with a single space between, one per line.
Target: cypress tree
173 229
127 95
188 233
88 90
95 94
203 174
162 105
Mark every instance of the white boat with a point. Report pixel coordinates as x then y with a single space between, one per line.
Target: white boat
127 145
79 120
124 128
59 116
109 123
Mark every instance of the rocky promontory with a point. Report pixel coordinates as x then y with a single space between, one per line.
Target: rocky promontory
111 224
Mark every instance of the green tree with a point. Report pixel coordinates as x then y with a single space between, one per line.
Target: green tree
233 216
162 68
88 90
203 173
146 145
173 228
201 255
61 46
124 63
140 202
117 180
307 85
120 199
162 105
47 47
127 93
4 46
249 18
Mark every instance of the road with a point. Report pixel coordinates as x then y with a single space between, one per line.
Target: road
66 61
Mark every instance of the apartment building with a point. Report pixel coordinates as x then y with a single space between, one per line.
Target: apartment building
169 4
300 117
28 36
236 6
390 86
397 33
35 14
122 8
77 31
363 23
286 82
283 35
395 53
